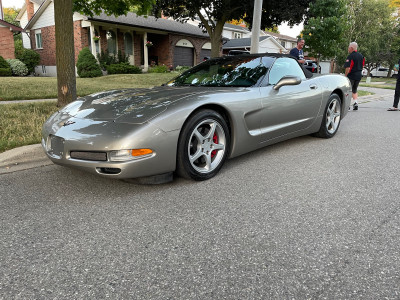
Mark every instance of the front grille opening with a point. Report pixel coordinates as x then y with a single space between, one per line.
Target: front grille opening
89 155
112 171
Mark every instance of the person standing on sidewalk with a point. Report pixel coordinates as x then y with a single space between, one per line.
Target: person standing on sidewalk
396 92
354 65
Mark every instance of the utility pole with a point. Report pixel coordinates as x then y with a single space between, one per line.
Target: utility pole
1 11
255 31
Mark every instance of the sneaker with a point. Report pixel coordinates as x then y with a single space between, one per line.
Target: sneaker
355 106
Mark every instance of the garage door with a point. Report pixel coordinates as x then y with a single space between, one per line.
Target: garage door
205 53
183 56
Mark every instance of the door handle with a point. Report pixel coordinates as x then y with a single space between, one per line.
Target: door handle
313 86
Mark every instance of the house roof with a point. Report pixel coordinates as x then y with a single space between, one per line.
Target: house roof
11 26
246 42
236 27
131 19
281 36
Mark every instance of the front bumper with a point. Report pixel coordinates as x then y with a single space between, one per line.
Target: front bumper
86 145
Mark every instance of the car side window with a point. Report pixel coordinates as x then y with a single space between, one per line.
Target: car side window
285 66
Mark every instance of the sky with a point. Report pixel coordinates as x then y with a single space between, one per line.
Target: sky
283 29
13 3
293 32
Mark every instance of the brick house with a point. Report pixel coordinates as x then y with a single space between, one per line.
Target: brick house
174 43
7 48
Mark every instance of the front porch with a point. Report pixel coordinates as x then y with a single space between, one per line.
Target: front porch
166 48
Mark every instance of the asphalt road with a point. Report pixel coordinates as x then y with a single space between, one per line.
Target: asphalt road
304 219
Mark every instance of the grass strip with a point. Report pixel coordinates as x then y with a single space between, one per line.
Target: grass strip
26 88
21 124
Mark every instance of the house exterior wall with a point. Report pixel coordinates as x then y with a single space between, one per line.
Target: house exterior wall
30 9
196 42
138 48
46 19
48 52
25 38
6 43
267 46
81 38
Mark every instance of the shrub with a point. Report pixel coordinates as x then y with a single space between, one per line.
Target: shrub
18 68
18 47
158 69
182 68
29 57
106 59
5 69
5 72
3 63
123 68
87 65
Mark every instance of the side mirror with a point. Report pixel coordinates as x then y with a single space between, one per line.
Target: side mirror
287 80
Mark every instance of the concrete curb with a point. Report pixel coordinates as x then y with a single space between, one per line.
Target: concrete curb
23 158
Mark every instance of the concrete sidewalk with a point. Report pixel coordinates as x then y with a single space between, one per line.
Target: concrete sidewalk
33 156
27 101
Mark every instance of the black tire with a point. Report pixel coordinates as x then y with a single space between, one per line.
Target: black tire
203 145
331 119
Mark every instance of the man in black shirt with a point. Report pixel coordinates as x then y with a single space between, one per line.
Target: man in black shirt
354 65
298 51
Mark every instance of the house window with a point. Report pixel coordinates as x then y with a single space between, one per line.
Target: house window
111 42
237 35
128 44
38 39
283 43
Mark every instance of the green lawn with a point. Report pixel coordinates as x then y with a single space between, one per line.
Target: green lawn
24 88
21 124
379 82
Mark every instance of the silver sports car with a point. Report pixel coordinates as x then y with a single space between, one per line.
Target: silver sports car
221 108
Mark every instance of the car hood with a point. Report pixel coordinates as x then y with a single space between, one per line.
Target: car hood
130 105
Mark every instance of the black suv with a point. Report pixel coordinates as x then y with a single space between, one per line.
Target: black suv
311 66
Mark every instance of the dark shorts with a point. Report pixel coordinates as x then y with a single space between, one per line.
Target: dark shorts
354 85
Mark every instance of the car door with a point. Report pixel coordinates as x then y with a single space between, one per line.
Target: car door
292 107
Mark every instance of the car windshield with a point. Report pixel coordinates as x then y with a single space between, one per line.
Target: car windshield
236 71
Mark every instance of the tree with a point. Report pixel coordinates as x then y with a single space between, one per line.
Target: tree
215 13
65 55
324 29
371 25
10 13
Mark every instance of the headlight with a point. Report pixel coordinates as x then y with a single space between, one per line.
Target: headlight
132 154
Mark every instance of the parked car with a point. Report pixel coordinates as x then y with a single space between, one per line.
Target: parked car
238 52
312 66
219 109
379 72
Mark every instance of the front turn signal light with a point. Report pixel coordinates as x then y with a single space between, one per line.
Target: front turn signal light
131 154
140 152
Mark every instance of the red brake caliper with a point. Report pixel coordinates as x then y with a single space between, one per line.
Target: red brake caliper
215 140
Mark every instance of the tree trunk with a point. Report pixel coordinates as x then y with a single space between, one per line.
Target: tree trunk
65 52
215 45
216 39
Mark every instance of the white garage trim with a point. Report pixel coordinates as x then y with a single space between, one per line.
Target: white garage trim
184 43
